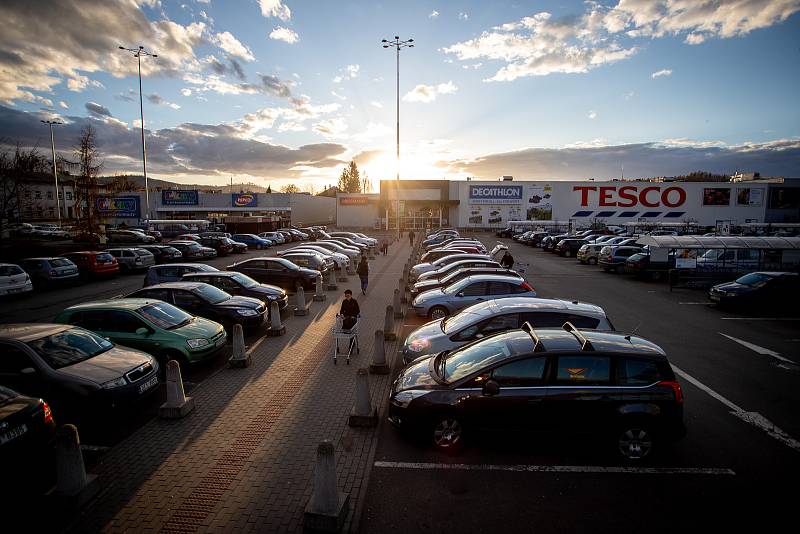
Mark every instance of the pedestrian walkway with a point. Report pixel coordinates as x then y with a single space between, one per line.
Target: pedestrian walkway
243 460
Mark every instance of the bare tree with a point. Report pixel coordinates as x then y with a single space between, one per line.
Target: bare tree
15 195
290 188
88 161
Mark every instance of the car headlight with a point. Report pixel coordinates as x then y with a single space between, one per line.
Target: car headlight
247 313
418 345
403 398
116 383
196 343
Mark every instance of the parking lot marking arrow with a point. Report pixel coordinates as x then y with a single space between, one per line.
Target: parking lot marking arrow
756 348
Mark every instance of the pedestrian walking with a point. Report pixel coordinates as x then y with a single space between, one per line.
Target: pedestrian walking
349 310
411 237
363 273
385 246
507 260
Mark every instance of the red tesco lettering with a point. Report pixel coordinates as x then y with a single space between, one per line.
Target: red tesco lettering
628 196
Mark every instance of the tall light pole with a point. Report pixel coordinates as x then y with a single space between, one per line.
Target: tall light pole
55 170
398 44
138 53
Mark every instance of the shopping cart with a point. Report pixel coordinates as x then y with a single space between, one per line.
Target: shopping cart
346 336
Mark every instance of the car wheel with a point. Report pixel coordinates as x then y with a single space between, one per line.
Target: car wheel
438 312
592 261
635 441
448 434
166 356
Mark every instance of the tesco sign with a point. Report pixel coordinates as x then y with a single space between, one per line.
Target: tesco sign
630 196
495 194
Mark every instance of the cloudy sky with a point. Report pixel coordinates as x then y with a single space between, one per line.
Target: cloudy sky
279 91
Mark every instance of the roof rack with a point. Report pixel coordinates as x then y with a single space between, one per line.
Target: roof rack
537 342
586 345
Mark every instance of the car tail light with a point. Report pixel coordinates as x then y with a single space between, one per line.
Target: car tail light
48 413
676 387
526 286
53 272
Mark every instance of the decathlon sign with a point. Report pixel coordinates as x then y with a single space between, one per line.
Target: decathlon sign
630 196
495 194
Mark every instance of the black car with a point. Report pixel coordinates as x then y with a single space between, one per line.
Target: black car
277 271
208 302
241 285
549 242
164 253
560 381
569 247
505 232
191 250
222 245
765 289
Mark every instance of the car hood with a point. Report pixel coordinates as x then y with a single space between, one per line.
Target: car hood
416 376
422 267
198 328
734 287
427 331
109 365
425 285
310 272
268 290
241 302
429 296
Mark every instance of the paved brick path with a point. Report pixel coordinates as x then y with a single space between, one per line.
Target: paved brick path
244 459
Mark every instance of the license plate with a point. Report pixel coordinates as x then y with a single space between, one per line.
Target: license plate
13 433
147 385
220 342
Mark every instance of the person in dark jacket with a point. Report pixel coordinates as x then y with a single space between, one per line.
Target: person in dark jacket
507 261
411 237
363 273
349 310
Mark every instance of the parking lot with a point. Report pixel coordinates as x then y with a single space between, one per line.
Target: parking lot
739 375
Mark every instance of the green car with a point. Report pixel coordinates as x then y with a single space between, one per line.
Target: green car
153 326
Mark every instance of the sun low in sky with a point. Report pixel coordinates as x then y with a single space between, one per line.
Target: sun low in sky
275 91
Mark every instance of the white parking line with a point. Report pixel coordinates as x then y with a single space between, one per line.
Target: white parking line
754 418
760 318
756 348
524 468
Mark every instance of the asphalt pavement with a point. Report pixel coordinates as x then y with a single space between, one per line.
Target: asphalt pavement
735 469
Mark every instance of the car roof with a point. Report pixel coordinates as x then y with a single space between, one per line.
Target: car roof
775 273
183 242
30 331
168 265
176 285
124 303
44 258
528 304
490 278
212 273
562 340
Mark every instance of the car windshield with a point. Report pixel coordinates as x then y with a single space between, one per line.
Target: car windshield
245 280
9 270
140 252
458 322
212 294
60 262
477 356
165 315
753 279
455 287
69 347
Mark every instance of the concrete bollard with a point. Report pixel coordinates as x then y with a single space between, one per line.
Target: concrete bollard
379 365
178 404
363 412
371 252
328 507
401 286
398 308
72 482
300 305
276 327
341 275
351 269
239 358
388 325
332 281
319 293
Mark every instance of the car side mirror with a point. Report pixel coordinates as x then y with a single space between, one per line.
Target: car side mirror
491 388
27 371
142 331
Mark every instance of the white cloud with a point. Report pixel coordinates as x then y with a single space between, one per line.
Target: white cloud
660 73
292 126
428 93
331 128
463 16
376 104
592 114
373 130
63 104
628 95
230 44
433 14
186 91
275 8
284 34
347 73
337 95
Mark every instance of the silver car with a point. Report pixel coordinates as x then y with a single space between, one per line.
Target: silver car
133 259
442 302
455 266
422 268
335 246
341 260
493 316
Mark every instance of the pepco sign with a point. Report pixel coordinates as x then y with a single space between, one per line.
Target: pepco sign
629 196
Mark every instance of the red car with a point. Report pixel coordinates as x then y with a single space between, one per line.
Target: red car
93 263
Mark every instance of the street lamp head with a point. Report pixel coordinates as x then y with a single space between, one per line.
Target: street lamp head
411 40
154 55
122 48
397 37
382 40
141 47
411 46
386 46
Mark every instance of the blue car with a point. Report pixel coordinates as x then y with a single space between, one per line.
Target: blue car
252 240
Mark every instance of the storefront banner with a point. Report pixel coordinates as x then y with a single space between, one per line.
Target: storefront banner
176 197
476 216
717 196
686 258
748 196
120 207
540 202
244 200
353 201
495 194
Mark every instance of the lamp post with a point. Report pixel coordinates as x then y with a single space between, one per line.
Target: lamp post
398 44
55 170
138 53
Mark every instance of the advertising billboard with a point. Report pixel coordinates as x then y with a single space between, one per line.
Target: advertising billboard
353 201
747 196
495 194
177 197
120 207
244 200
540 202
717 196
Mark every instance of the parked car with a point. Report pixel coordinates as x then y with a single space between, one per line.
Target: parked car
189 237
333 246
344 241
492 316
252 241
76 370
340 260
569 247
238 247
588 253
549 243
277 271
209 302
275 237
536 380
163 253
301 236
132 259
458 274
357 238
47 272
94 264
150 325
173 272
27 438
421 268
435 254
288 236
763 289
310 260
241 285
458 265
612 258
190 250
13 280
221 244
442 302
742 260
129 236
505 232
